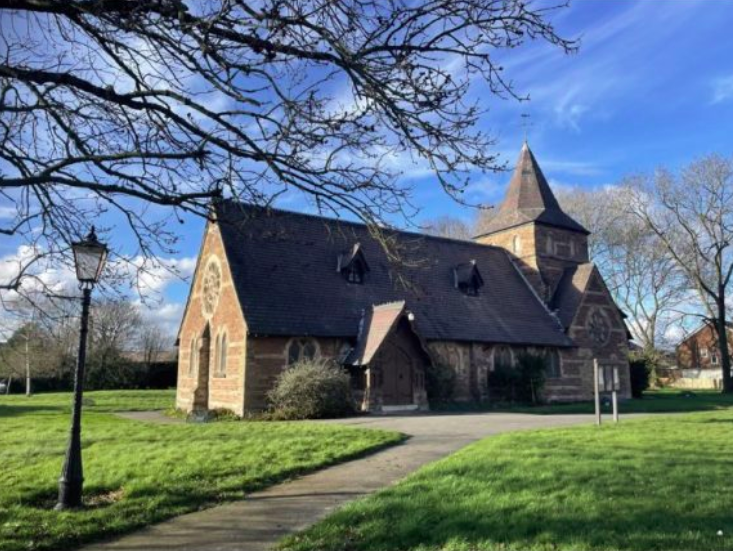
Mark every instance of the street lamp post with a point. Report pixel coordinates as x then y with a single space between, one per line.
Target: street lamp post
89 258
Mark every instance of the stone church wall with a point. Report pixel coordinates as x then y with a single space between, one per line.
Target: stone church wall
224 390
578 362
267 358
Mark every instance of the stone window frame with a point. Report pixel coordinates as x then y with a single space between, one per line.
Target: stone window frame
221 355
512 357
597 311
212 261
193 358
516 244
552 374
302 342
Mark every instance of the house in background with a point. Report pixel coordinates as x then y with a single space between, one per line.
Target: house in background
273 287
698 358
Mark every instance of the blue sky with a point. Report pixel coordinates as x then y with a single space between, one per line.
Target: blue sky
652 84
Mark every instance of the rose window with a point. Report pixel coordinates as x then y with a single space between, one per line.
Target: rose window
211 288
598 328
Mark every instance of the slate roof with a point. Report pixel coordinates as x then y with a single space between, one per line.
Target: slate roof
284 270
530 199
569 292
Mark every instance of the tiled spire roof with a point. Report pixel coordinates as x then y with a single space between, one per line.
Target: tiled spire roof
530 199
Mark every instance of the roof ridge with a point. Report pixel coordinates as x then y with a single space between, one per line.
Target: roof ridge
471 242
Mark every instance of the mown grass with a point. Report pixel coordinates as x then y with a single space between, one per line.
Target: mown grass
95 401
654 401
140 473
656 483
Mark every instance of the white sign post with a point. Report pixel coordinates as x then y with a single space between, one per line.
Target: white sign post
606 378
597 390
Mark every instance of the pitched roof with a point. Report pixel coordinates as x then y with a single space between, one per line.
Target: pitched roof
570 290
376 325
530 199
283 266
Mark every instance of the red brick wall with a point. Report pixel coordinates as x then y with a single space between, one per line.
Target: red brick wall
267 357
700 349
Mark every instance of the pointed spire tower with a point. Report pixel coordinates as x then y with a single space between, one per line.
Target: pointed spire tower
532 226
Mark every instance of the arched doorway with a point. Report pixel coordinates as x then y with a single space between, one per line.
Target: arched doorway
201 394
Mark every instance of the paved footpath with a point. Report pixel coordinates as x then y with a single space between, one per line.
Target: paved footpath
259 521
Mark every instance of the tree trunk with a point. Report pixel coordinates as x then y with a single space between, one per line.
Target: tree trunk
10 382
722 331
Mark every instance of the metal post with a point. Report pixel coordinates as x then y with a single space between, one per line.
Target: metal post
27 366
614 394
72 474
596 391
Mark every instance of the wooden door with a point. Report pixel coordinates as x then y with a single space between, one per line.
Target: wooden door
396 368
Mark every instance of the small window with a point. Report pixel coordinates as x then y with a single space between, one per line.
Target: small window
503 358
714 358
221 356
355 274
552 368
467 278
353 265
704 352
517 244
549 246
302 350
193 359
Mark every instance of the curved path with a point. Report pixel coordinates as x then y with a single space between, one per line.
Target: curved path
259 521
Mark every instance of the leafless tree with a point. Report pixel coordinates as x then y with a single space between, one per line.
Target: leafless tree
448 226
120 107
152 342
641 274
692 215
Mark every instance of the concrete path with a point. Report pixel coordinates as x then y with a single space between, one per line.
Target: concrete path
263 518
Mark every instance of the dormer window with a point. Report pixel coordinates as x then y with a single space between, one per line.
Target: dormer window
352 265
467 279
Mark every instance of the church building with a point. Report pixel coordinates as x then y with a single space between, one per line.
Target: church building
273 287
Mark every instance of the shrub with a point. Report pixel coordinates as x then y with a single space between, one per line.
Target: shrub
312 389
520 383
440 382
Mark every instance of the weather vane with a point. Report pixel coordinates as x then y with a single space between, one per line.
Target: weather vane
526 124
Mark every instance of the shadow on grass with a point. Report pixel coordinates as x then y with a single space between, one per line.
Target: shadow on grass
665 401
18 410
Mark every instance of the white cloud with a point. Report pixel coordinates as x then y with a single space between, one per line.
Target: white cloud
722 89
154 275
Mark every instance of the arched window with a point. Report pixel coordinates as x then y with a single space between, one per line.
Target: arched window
516 244
552 364
223 356
193 358
503 358
301 350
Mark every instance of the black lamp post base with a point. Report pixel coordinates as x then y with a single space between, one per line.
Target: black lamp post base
69 495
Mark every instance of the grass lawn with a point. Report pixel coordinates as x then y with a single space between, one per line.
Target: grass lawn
140 473
657 483
654 401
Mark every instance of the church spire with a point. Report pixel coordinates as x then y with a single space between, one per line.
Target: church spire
530 199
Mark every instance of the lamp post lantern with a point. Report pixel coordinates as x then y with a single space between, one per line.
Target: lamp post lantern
89 259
